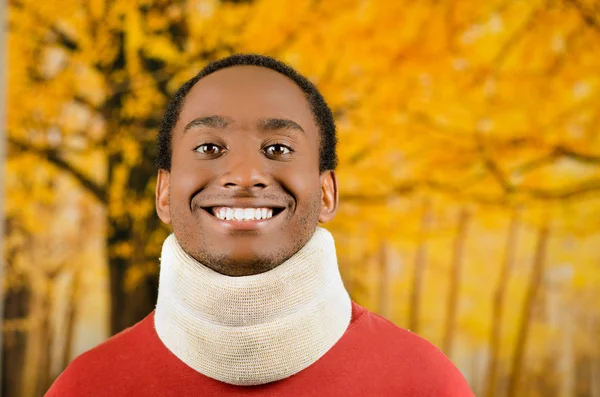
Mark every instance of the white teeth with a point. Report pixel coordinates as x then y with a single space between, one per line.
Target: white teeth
238 214
243 214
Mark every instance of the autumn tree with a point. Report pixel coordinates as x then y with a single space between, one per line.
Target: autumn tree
440 105
104 71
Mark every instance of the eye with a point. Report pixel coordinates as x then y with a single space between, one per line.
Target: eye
277 150
209 148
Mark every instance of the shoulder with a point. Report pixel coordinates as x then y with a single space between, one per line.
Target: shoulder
383 332
399 351
112 358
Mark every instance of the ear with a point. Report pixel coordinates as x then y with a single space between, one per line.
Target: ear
329 196
162 196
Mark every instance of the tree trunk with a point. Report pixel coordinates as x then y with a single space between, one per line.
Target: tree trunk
566 359
498 303
71 318
594 337
36 377
384 280
420 263
130 304
116 269
530 298
16 310
453 293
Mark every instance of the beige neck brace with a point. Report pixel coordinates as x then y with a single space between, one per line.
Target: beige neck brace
255 329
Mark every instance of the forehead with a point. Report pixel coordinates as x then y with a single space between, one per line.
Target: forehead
245 94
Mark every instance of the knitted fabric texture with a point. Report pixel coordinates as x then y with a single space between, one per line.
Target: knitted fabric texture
255 329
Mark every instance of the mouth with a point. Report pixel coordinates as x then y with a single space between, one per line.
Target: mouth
244 218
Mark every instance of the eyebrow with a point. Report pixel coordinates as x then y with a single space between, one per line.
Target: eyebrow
209 121
222 122
279 124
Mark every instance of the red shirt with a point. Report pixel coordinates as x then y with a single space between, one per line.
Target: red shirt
373 358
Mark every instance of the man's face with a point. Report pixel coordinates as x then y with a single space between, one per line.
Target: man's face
244 192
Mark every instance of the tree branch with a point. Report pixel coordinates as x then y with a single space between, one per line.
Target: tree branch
402 189
515 38
555 154
63 38
571 192
586 15
407 188
492 166
535 163
98 191
506 47
578 156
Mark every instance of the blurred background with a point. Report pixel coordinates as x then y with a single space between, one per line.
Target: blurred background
469 170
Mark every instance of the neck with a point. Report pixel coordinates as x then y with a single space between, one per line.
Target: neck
254 329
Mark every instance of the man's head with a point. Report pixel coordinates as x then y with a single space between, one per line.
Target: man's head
248 132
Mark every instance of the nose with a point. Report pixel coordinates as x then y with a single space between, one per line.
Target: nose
245 171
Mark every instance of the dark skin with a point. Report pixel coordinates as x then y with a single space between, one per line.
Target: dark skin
246 138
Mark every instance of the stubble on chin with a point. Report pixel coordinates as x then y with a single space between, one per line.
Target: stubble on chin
195 242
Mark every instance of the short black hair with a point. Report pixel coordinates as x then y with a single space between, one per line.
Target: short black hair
321 112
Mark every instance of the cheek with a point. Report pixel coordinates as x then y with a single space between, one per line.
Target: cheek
307 190
187 179
303 180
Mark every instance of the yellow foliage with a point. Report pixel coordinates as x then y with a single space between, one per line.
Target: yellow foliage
445 106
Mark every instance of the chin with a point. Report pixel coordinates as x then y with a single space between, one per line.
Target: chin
238 263
247 266
252 259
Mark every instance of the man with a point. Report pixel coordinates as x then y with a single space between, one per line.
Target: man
250 298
